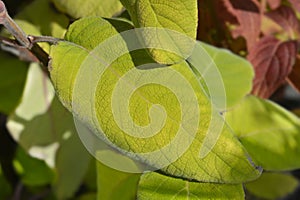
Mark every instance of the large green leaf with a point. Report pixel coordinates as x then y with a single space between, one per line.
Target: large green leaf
236 73
273 185
227 162
45 129
84 8
270 133
177 15
12 75
114 184
157 186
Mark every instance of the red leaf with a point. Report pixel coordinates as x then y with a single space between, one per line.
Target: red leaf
273 61
249 16
287 19
224 13
295 4
274 3
294 77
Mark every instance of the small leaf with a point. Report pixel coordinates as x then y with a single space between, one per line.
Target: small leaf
248 15
270 133
273 185
84 8
271 27
273 61
180 16
295 4
113 184
287 19
157 186
274 4
294 77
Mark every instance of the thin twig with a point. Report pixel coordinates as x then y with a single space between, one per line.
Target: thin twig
18 192
28 46
40 54
35 39
13 27
11 46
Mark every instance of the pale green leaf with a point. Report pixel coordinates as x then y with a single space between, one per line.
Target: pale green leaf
177 15
270 133
236 73
31 116
12 75
72 162
227 162
45 129
41 175
45 19
273 185
157 186
84 8
114 184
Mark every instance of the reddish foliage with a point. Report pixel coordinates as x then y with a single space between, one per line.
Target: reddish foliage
287 19
294 77
212 16
248 15
271 37
273 61
224 13
207 22
274 3
295 4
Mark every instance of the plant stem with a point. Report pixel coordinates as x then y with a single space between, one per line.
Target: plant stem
49 39
13 27
40 54
22 39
